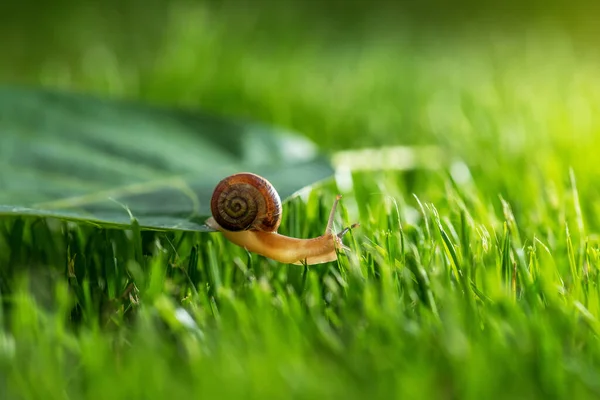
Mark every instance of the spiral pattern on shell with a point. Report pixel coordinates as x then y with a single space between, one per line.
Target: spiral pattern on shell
246 201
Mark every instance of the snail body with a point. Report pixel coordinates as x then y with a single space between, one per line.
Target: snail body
247 210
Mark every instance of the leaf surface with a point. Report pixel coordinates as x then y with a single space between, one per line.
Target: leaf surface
78 157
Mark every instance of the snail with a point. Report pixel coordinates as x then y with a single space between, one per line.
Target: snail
247 210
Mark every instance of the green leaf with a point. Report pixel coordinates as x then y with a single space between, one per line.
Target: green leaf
78 157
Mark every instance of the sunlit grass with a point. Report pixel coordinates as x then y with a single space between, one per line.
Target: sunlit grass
475 280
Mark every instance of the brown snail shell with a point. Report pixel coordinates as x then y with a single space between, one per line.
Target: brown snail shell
246 201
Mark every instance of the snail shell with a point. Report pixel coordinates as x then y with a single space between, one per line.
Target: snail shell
246 201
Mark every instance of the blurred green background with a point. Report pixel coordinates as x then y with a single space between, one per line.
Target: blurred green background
364 73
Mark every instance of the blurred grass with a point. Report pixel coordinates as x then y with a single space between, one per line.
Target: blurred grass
484 284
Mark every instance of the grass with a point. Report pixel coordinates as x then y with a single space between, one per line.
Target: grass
476 280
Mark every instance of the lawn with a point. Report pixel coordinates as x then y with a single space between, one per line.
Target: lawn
473 275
